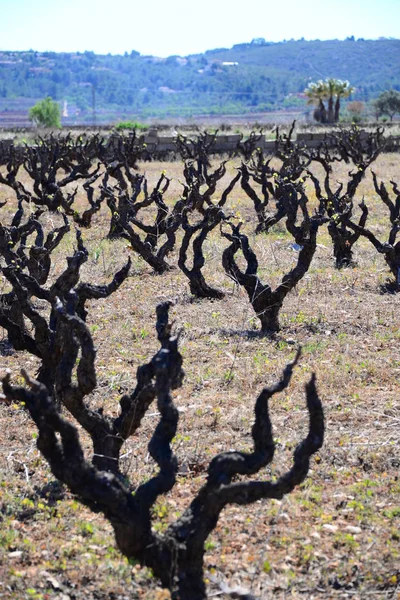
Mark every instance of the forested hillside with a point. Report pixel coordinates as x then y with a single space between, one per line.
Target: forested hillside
254 77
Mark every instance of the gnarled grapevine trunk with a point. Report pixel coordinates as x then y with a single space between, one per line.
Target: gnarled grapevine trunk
176 556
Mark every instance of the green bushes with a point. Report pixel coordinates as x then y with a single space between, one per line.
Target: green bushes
46 113
124 125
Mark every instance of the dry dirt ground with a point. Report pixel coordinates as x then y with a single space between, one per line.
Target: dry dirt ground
338 534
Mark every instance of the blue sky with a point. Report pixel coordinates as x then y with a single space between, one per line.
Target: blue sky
164 28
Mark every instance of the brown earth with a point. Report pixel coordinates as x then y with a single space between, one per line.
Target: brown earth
338 535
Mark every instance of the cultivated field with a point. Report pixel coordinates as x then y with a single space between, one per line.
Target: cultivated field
338 534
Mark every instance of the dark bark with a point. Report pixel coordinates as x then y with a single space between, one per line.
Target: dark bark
344 239
212 216
247 147
336 200
124 205
39 261
200 182
46 341
331 117
12 320
320 113
391 252
337 109
265 301
158 264
269 190
84 219
198 285
391 248
19 255
196 151
176 557
124 149
60 340
275 182
12 158
54 162
165 224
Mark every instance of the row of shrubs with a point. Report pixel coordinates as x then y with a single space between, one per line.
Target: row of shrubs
55 330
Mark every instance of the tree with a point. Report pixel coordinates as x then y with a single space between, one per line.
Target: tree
266 301
387 103
342 90
391 248
316 93
332 90
176 555
360 149
355 110
46 113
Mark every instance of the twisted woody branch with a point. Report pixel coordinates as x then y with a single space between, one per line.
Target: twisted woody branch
175 556
19 252
198 232
43 338
273 182
265 301
124 204
360 149
391 248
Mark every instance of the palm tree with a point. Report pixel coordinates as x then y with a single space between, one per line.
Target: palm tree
317 93
331 85
343 89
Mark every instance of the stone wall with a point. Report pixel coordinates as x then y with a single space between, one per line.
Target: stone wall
229 143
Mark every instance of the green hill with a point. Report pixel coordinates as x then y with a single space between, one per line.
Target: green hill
254 77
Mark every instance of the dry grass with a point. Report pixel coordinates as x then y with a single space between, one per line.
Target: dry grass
338 535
